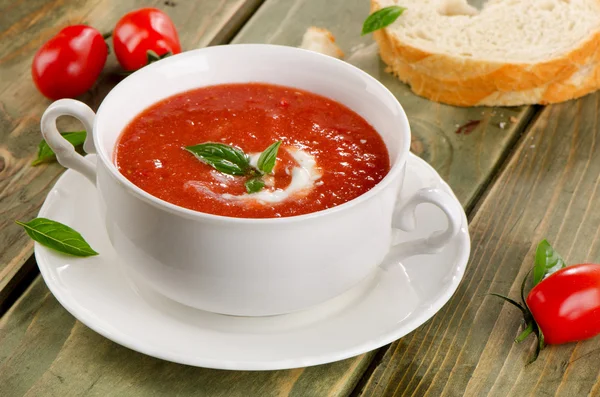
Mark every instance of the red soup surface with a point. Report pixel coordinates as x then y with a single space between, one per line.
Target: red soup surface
346 157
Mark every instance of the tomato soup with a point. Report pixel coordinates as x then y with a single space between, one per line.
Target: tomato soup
328 154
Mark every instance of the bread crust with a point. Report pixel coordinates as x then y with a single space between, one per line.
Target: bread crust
464 81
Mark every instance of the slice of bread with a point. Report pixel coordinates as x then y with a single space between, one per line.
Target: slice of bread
321 40
512 52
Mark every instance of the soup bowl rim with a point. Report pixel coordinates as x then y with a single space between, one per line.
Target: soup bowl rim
397 163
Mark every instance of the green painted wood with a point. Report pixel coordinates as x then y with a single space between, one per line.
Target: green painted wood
549 189
43 350
24 26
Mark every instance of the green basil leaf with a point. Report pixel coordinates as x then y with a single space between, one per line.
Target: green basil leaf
547 261
254 185
57 236
381 18
266 161
45 153
224 158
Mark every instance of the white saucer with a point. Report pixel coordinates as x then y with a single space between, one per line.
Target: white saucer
392 303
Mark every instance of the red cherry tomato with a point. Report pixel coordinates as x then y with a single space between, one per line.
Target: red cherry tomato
70 62
143 30
566 305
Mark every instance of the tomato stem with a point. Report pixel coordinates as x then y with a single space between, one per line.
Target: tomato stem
523 284
152 56
526 332
538 346
512 302
532 326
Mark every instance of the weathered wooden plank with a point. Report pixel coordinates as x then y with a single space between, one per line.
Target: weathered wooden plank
24 26
550 189
71 358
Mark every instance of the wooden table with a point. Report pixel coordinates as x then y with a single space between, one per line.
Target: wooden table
524 174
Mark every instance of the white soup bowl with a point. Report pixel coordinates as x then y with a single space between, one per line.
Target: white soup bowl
237 266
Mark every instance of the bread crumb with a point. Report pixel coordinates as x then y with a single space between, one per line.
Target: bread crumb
416 146
502 124
322 41
513 119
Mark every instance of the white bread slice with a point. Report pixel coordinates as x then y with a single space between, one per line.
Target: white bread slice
512 52
321 40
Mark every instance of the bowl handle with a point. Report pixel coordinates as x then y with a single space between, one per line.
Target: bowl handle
405 219
65 152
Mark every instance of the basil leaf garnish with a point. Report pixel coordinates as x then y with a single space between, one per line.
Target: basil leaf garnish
547 261
45 153
233 161
254 185
57 236
381 18
266 161
224 158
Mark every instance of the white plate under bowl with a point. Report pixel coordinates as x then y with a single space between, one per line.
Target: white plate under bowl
387 306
